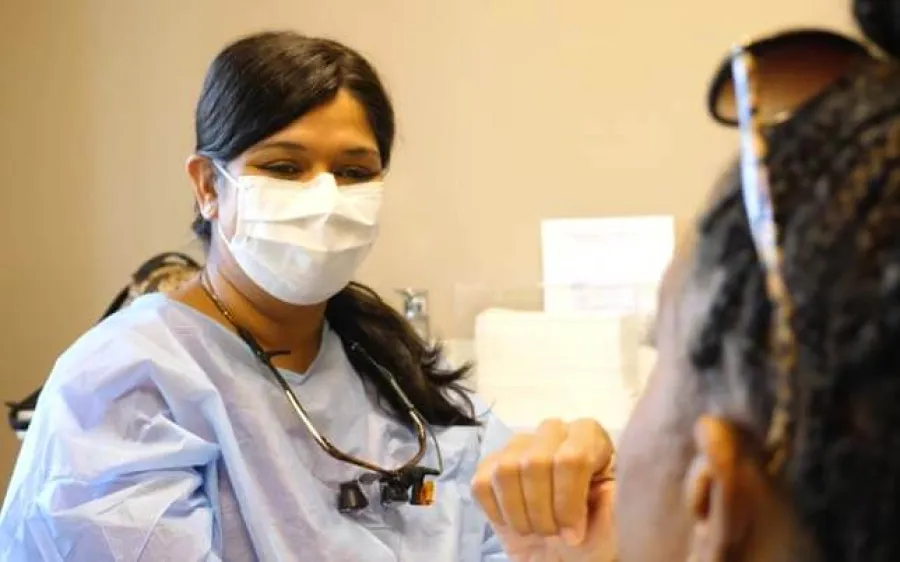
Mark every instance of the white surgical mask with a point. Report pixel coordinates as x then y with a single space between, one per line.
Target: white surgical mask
302 242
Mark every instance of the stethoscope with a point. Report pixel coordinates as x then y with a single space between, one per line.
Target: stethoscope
406 484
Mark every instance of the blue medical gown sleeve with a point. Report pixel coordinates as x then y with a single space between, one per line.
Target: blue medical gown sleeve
496 435
106 475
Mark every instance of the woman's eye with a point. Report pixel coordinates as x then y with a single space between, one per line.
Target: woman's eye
355 174
282 168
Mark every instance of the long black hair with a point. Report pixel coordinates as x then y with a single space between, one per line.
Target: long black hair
835 180
259 85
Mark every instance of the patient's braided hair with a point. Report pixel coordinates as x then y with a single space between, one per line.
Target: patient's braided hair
835 181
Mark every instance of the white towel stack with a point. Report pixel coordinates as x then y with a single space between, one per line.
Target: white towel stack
536 365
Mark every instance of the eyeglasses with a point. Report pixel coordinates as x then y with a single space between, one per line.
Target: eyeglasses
405 484
759 206
792 67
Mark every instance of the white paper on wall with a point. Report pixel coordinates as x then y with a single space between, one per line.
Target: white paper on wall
605 264
537 365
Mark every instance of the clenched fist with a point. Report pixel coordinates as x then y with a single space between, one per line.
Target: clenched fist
549 494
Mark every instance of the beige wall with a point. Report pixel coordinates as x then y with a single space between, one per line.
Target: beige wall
510 111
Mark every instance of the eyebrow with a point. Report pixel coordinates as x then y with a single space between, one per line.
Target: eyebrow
293 145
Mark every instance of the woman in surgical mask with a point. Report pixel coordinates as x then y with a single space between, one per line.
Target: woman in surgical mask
273 409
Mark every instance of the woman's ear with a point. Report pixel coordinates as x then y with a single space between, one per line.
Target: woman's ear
723 490
203 180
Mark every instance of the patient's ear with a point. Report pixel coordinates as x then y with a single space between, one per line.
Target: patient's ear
203 182
726 492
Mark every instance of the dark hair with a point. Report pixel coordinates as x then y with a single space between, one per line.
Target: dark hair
259 85
835 179
879 20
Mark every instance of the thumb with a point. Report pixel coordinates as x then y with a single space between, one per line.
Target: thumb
596 518
600 524
575 535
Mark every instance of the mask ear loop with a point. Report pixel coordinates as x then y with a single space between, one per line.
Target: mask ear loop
213 205
758 204
219 167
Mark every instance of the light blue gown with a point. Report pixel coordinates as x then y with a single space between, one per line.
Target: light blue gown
159 437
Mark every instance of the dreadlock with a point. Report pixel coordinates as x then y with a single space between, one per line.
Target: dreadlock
835 180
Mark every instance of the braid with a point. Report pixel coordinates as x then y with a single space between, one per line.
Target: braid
835 172
725 245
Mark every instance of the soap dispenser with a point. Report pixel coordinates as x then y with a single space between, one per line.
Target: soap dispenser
415 310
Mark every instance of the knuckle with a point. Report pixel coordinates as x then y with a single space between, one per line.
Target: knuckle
482 476
598 430
481 484
551 424
506 471
570 461
604 438
589 423
519 440
537 464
